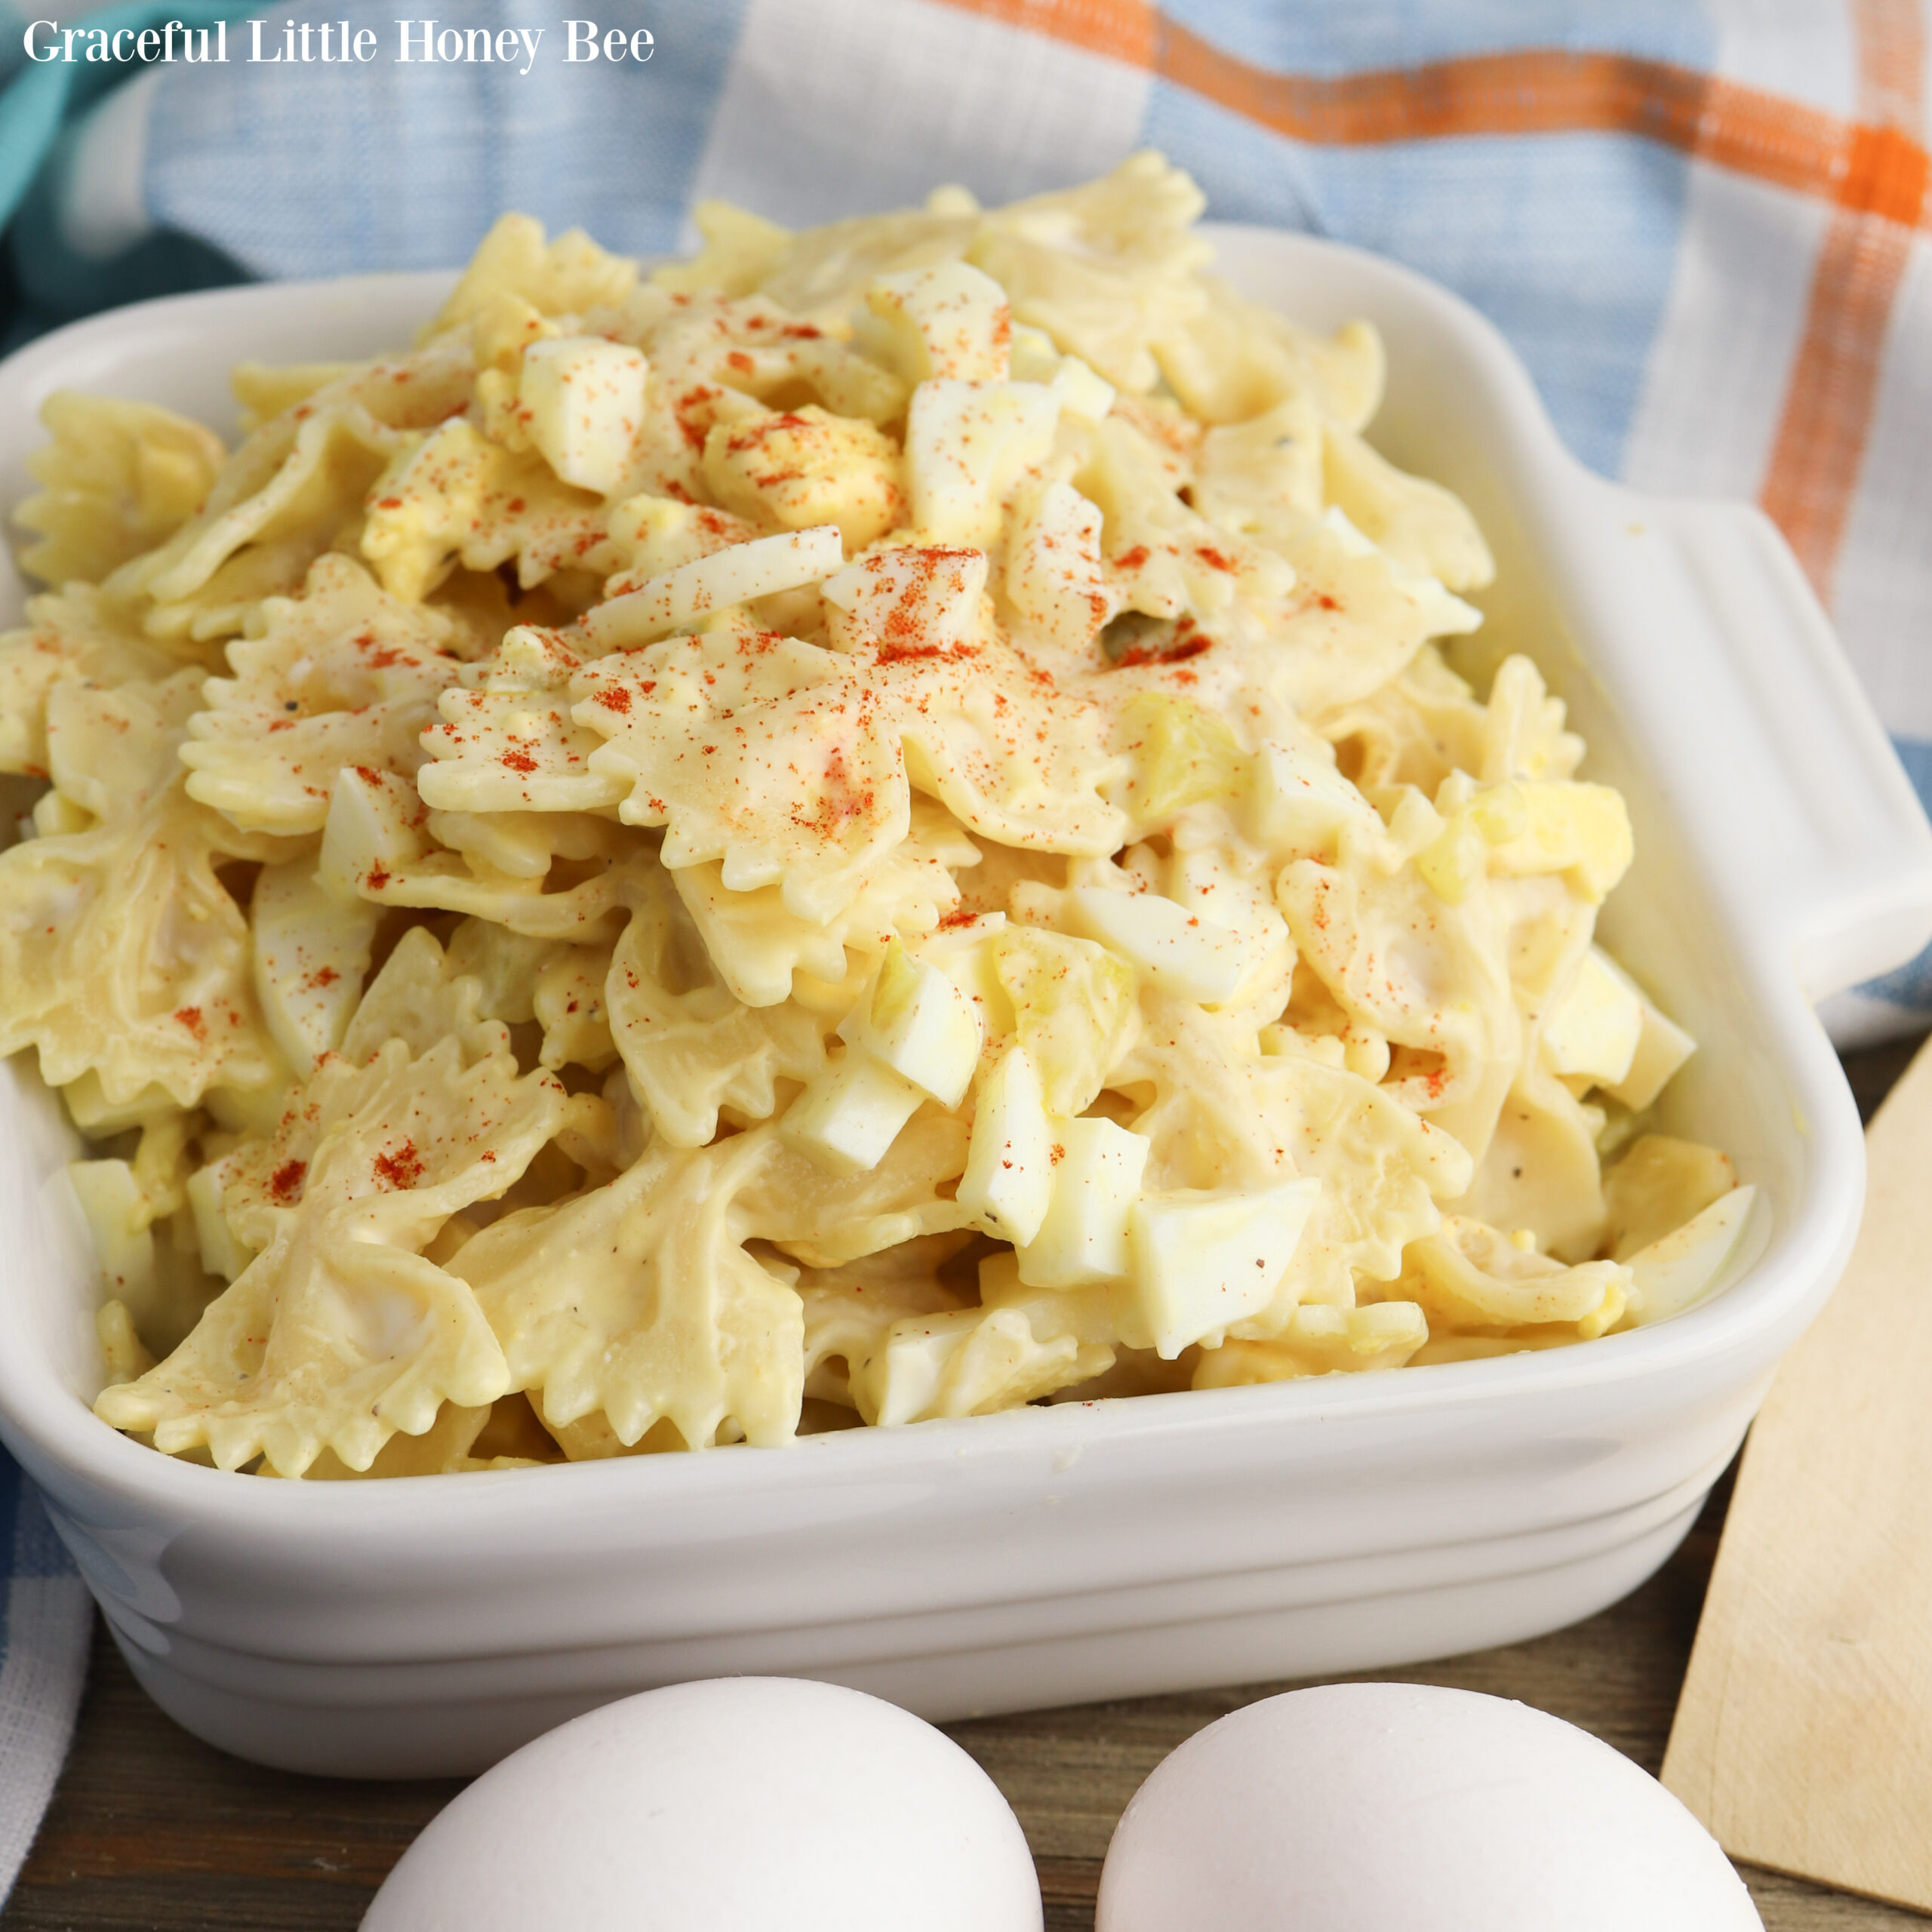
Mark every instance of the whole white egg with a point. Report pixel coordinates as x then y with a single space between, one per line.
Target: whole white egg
719 1807
1403 1807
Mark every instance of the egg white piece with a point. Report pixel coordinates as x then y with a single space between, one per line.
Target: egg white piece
1381 1807
741 1802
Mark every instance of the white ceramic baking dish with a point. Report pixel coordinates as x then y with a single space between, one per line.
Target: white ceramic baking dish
1055 1555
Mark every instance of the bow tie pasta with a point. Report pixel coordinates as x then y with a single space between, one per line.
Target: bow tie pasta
873 826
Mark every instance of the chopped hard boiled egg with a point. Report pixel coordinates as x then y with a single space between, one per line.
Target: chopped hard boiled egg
312 955
1662 1047
582 402
1056 582
967 445
1594 1033
682 598
950 321
1179 952
1082 393
374 825
851 1113
1296 801
1673 1273
222 1253
914 1020
1203 1261
1036 359
925 599
1009 1177
118 1219
966 1362
797 468
1097 1167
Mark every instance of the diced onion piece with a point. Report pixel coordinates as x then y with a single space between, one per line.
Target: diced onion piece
1672 1274
682 598
1179 952
1201 1261
851 1113
916 1021
1593 1034
311 955
1097 1179
581 400
1009 1177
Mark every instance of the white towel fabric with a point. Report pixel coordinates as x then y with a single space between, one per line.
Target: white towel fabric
49 1619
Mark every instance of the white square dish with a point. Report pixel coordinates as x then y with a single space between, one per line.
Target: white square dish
1052 1555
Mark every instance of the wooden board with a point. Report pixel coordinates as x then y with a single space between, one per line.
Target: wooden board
1804 1738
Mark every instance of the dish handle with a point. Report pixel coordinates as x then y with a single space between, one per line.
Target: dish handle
1807 818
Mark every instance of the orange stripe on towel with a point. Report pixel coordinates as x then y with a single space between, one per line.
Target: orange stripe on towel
1812 477
1873 171
1536 90
1123 30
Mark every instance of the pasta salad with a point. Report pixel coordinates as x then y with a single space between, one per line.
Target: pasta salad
875 825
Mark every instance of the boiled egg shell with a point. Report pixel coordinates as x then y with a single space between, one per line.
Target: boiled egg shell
738 1802
1386 1807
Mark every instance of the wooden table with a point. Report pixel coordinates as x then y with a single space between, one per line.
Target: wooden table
150 1830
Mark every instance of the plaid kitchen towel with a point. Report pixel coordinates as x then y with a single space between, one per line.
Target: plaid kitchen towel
1701 222
46 1619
